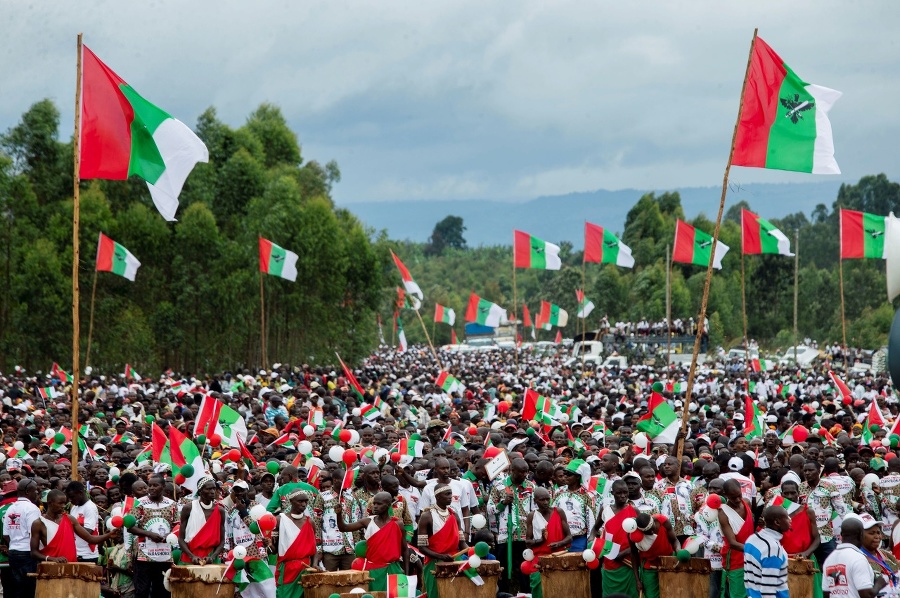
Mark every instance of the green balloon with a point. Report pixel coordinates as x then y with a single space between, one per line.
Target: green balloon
272 467
482 549
254 527
115 479
683 555
874 428
59 438
367 596
239 564
187 471
894 440
176 555
658 387
129 521
201 439
530 432
361 548
334 596
149 419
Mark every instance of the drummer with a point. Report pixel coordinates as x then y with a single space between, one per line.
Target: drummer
53 534
238 533
385 542
439 535
201 534
548 530
298 547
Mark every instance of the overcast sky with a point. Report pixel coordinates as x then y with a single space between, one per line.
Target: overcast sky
505 99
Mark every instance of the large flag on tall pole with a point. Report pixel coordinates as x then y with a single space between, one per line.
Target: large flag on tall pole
585 305
408 283
783 122
277 261
862 235
531 252
482 311
444 315
760 236
693 246
553 314
112 257
122 134
603 247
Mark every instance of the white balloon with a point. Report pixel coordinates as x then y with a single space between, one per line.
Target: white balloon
357 591
354 438
475 561
815 404
356 412
172 540
49 433
629 525
379 453
305 448
257 512
336 453
114 471
588 555
640 440
308 431
478 521
528 554
216 467
117 512
18 445
563 418
239 552
692 545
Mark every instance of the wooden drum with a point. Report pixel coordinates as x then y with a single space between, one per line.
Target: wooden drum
801 577
565 575
326 583
690 578
73 580
200 581
452 586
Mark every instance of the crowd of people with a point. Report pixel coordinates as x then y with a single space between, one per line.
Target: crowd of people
448 457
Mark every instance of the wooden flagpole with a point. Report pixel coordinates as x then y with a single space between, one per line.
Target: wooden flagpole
76 215
712 255
262 321
843 317
87 355
428 338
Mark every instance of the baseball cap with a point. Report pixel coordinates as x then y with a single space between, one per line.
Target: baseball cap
867 520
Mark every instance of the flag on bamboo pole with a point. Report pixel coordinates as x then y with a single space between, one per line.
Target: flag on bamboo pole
585 305
862 235
408 283
401 336
760 236
754 423
122 134
693 246
603 247
185 453
355 387
215 417
277 261
444 315
660 423
553 314
783 122
531 252
484 312
112 257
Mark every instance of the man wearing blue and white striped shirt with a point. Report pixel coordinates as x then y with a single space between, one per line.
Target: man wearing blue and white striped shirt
765 560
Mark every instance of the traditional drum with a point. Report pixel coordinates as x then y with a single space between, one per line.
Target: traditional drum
565 575
451 585
801 578
689 578
200 581
372 594
73 580
326 583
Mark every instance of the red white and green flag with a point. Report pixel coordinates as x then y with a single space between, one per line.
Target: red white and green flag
603 247
784 120
408 283
401 336
277 261
754 423
369 412
693 246
112 257
760 236
444 315
466 569
660 423
159 446
60 447
336 432
215 417
122 134
284 440
553 315
355 386
759 365
585 305
60 374
862 235
840 385
130 374
349 478
448 383
874 422
540 408
531 252
401 586
482 311
789 506
183 452
47 392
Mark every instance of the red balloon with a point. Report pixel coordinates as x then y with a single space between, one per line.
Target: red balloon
471 550
116 521
214 440
800 434
267 522
636 536
502 407
714 501
349 457
890 456
395 457
180 479
529 567
593 564
847 400
358 564
234 455
473 431
345 435
602 452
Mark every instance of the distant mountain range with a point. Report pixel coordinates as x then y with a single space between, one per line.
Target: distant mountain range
561 217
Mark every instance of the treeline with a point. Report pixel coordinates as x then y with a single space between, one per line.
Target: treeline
637 294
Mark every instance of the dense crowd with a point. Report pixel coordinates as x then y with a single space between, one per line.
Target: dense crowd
427 467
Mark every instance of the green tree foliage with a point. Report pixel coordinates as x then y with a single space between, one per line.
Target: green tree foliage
448 233
195 305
